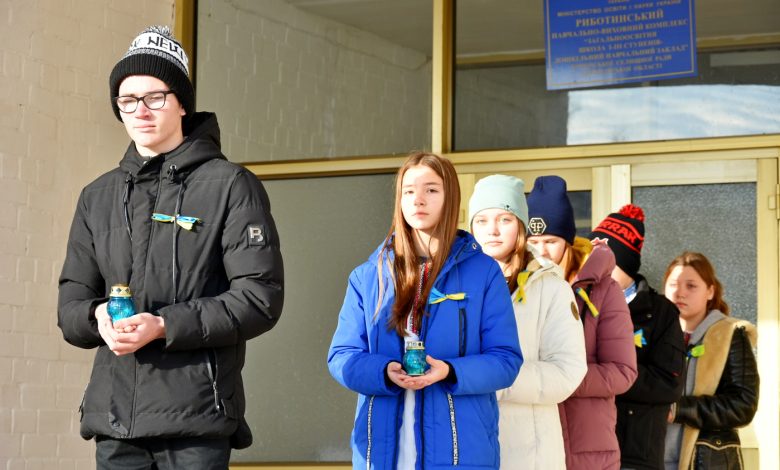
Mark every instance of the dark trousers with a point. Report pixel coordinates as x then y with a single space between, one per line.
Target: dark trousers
190 453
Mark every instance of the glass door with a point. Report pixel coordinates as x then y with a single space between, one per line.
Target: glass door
721 203
727 209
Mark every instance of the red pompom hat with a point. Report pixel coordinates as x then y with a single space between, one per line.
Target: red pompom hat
625 231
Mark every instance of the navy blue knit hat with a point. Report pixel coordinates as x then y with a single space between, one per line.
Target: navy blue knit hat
549 209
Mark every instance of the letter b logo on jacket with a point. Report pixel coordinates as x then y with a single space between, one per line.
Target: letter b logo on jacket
256 235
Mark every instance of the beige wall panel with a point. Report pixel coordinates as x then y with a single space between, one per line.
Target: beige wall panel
57 133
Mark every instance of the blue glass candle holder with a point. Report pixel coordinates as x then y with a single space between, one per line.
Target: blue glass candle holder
414 358
120 302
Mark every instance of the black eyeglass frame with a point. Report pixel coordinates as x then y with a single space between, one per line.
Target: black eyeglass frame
143 98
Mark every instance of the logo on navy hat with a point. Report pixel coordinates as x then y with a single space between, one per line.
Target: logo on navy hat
536 226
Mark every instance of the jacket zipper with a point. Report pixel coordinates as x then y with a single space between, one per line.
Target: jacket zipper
135 397
212 376
422 428
455 452
423 336
368 448
81 405
462 337
462 326
148 245
462 352
154 209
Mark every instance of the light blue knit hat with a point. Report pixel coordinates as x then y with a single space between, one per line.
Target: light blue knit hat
499 192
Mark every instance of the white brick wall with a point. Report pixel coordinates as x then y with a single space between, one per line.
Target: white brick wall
57 133
286 84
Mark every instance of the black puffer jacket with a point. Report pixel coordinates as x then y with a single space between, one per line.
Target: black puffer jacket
216 286
643 409
736 398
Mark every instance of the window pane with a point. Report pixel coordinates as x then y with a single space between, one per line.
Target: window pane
677 219
501 99
327 226
731 96
581 203
301 79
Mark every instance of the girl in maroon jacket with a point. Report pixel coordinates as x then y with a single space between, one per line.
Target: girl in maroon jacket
588 416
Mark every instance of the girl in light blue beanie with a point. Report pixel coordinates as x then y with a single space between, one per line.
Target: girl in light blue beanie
501 194
551 338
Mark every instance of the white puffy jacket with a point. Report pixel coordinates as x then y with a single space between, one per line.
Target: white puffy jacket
553 345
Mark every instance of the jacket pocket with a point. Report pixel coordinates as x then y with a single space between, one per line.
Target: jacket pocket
466 431
362 434
97 393
717 455
211 365
180 383
454 427
640 431
81 405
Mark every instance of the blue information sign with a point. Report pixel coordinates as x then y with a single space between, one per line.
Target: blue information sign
604 42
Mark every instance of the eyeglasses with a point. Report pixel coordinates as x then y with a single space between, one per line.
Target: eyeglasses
153 100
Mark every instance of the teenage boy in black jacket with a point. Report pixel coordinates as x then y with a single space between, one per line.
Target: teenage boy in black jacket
660 350
192 235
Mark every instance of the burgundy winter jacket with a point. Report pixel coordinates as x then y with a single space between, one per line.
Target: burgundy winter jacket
588 416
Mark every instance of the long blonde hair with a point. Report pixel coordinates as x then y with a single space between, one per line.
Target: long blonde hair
405 271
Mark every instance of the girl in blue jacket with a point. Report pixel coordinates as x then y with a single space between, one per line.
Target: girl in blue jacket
429 282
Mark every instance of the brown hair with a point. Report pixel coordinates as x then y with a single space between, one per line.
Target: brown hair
406 263
519 259
704 268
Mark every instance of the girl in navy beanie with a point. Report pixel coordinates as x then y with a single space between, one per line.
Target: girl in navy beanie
551 226
588 415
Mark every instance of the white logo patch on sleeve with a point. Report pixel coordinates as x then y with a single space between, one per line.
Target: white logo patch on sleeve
256 235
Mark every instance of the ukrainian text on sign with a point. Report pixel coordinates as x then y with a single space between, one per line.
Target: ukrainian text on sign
601 42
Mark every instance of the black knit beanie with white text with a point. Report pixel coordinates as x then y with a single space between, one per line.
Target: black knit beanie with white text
155 52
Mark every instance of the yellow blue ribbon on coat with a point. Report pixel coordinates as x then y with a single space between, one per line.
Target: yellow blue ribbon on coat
696 351
584 296
184 221
639 338
437 297
522 278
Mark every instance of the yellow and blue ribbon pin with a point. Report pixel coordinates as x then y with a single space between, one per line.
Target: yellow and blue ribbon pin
639 338
522 278
184 221
437 297
584 296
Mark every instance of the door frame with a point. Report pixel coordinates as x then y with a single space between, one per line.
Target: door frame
611 179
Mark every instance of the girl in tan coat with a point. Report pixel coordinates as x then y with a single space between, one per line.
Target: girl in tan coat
721 390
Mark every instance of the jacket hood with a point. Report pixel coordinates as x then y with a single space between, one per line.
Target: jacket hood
540 265
463 247
201 143
598 265
643 301
537 268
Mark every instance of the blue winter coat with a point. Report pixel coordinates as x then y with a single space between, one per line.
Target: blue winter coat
456 423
